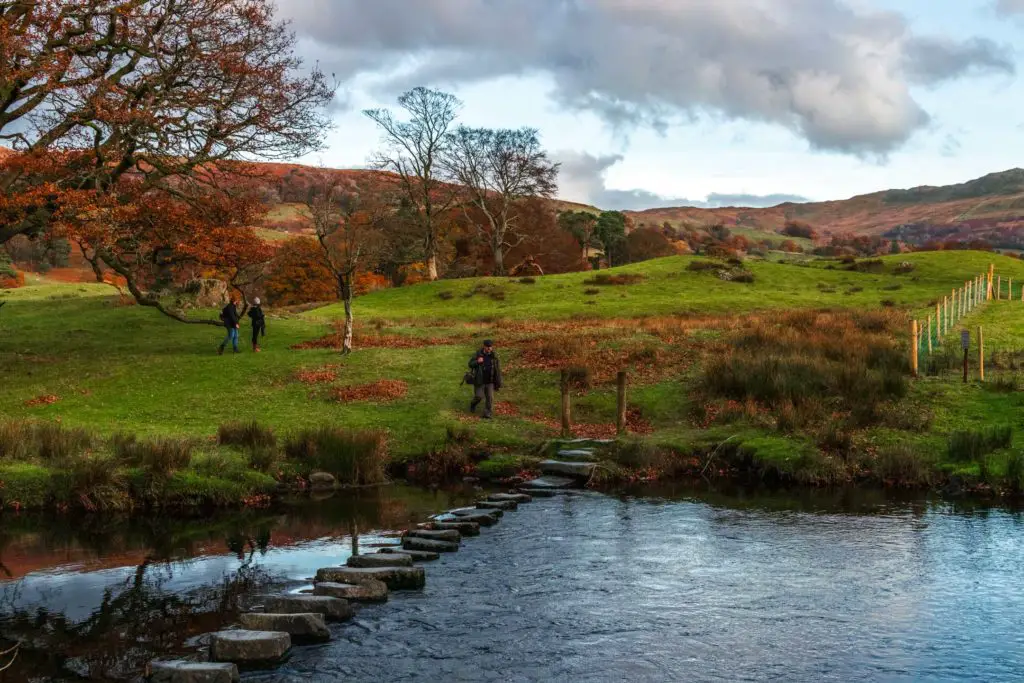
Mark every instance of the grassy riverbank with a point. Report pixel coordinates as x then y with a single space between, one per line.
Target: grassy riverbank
814 354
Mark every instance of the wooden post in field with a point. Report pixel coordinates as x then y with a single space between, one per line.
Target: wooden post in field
945 313
913 348
566 417
620 415
938 319
929 335
970 295
999 287
981 354
991 272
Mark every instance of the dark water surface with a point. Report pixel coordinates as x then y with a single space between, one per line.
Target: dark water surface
683 586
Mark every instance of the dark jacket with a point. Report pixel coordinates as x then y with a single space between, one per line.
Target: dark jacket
229 315
259 321
486 372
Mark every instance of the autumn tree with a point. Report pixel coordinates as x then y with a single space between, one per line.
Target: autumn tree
644 244
497 169
348 228
581 225
299 275
413 151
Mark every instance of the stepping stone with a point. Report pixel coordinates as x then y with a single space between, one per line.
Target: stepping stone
396 578
549 484
249 647
380 560
303 628
497 505
514 497
333 609
478 517
416 555
580 470
464 528
411 543
450 535
579 442
540 493
577 454
370 590
180 671
470 512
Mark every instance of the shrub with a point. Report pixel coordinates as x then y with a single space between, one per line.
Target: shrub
590 291
446 295
56 443
250 434
902 465
299 275
1006 382
972 446
159 458
607 280
578 377
869 266
1015 470
17 440
352 456
262 457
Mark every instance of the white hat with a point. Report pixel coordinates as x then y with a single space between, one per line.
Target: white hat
256 301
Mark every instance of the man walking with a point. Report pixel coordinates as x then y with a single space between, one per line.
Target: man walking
259 324
231 320
486 369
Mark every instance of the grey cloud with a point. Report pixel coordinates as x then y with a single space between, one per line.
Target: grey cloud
1010 6
582 179
837 76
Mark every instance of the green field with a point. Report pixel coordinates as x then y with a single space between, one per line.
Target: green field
126 368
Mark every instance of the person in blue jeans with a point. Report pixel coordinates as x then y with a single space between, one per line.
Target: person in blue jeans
231 319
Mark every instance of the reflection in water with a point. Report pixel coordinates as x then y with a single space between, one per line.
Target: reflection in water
681 586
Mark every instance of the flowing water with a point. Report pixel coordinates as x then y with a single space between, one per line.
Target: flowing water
679 586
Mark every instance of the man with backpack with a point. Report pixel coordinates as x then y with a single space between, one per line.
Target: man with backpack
229 316
485 372
259 324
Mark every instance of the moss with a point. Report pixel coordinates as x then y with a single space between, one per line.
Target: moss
505 465
24 485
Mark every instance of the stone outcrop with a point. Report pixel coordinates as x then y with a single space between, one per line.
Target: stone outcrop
396 578
180 671
370 590
306 627
249 647
333 609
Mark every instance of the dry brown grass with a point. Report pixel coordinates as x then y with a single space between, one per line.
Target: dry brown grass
380 391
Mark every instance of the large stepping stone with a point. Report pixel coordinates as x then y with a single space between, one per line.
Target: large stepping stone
396 578
333 609
450 535
464 528
581 454
479 517
473 511
580 470
507 505
249 647
514 497
548 483
380 560
541 493
369 590
416 555
180 671
412 543
303 628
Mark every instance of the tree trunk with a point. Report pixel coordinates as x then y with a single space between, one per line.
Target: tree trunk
499 261
432 267
346 343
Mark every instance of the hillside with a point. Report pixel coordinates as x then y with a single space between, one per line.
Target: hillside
988 207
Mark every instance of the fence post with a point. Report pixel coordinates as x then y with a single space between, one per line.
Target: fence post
620 421
999 287
566 418
981 354
991 272
929 335
913 348
970 295
938 321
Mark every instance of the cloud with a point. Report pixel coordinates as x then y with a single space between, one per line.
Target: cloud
837 76
582 179
1010 6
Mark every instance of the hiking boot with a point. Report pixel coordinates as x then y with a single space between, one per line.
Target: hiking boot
472 406
255 349
486 417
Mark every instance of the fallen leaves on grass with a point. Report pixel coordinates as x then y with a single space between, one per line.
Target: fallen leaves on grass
318 376
381 390
373 341
505 409
44 400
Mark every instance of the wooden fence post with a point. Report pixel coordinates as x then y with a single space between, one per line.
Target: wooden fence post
620 421
981 354
929 335
999 287
938 320
913 348
970 295
991 272
566 417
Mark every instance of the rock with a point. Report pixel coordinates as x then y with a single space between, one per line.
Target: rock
380 560
321 481
470 512
416 555
180 671
396 578
478 517
303 628
413 543
370 590
450 535
249 647
514 497
549 484
333 609
204 293
577 454
471 480
580 470
497 505
540 493
464 528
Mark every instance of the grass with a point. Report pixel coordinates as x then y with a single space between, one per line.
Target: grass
115 368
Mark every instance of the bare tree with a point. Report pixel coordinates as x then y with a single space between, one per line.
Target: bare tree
498 168
413 149
348 229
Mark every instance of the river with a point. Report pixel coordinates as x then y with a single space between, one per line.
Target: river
682 585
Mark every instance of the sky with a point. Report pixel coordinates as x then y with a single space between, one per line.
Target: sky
650 103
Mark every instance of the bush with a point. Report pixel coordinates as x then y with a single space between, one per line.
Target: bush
972 446
590 291
159 458
250 434
869 266
57 444
1015 470
262 458
904 466
619 279
446 296
17 440
299 275
578 378
353 457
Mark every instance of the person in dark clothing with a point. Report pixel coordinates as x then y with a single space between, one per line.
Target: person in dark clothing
259 324
229 316
486 369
